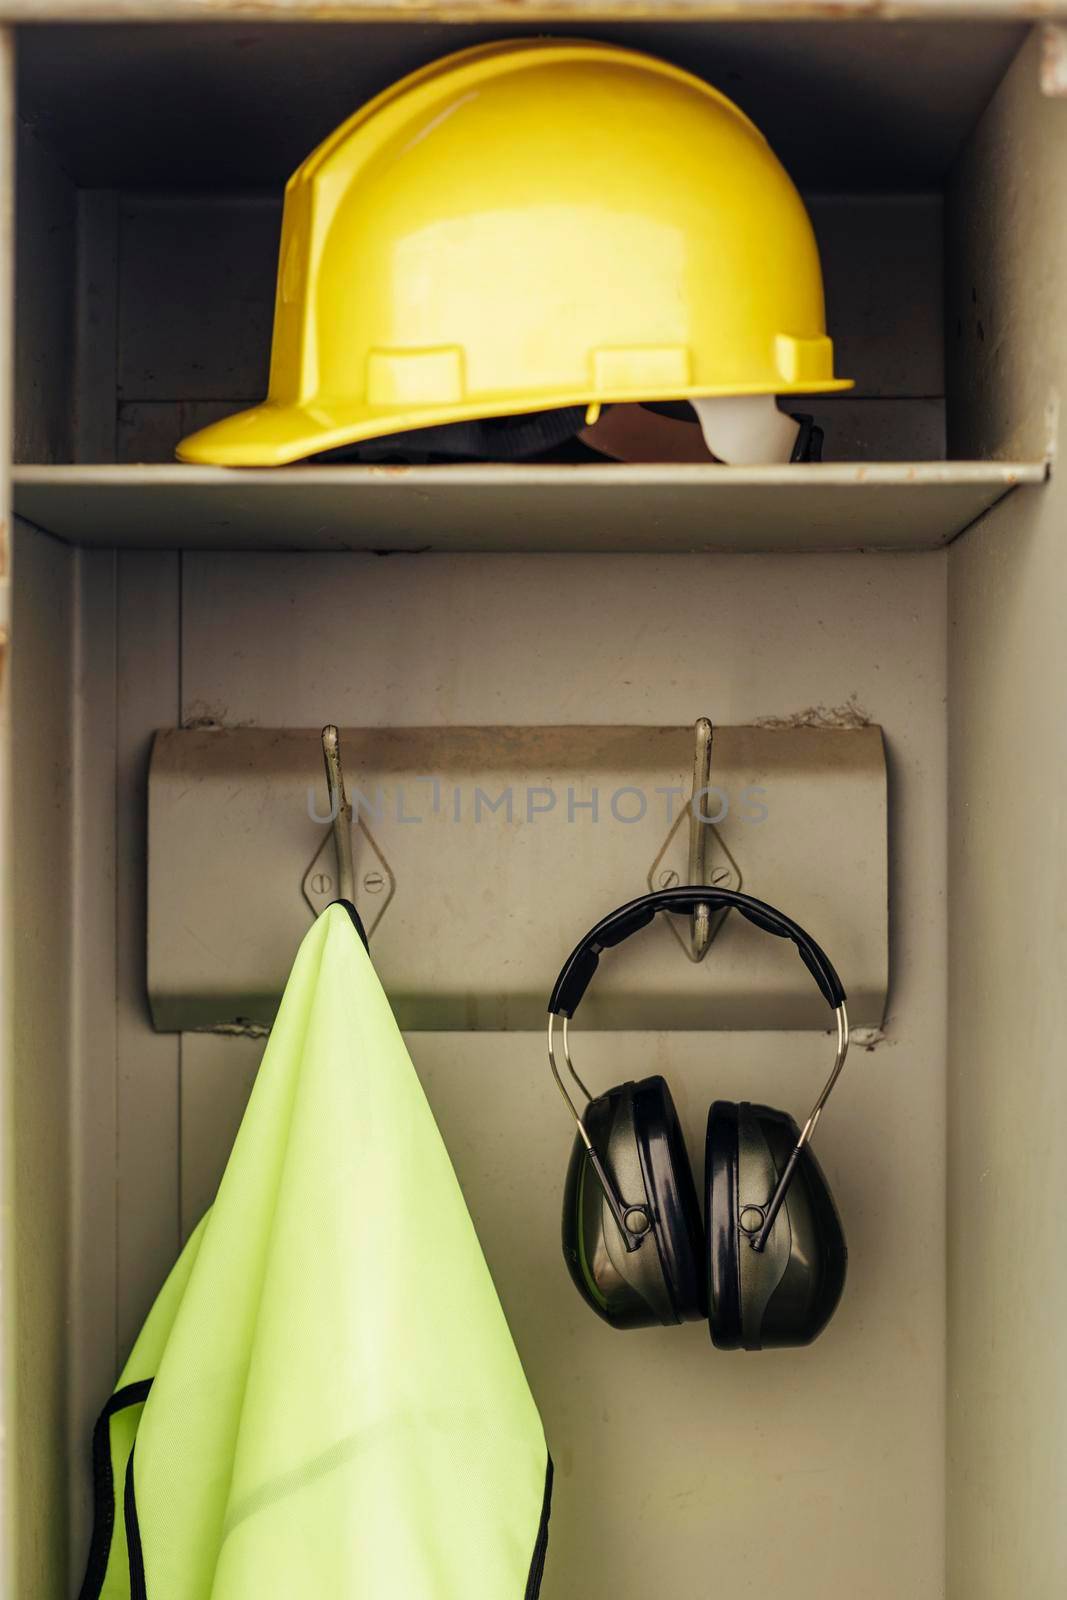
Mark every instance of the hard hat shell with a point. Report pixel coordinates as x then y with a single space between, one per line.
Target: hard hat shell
529 225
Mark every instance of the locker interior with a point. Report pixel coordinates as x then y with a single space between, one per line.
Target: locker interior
915 583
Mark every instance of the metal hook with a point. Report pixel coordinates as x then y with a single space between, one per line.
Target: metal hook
340 812
700 919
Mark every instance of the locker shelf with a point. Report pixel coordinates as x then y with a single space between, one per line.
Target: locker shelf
895 506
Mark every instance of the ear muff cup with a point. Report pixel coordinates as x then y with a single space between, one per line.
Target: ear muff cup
677 1228
721 1224
635 1131
807 1258
784 1295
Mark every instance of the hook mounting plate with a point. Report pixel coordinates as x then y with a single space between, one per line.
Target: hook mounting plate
507 840
374 886
671 866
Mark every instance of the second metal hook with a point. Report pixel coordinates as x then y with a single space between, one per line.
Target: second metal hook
700 920
340 813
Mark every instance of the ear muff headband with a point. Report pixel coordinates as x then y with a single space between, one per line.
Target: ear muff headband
579 967
618 925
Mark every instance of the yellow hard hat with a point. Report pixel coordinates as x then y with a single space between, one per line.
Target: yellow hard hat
526 226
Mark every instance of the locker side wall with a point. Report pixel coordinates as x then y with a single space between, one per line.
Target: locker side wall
7 1250
1007 1269
38 905
59 900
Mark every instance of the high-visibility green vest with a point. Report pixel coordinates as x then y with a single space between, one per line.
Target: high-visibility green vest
325 1402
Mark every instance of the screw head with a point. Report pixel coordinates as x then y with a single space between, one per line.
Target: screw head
321 883
720 876
374 883
637 1220
668 878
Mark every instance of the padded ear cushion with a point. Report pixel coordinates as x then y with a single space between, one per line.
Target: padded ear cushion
677 1229
721 1223
627 1288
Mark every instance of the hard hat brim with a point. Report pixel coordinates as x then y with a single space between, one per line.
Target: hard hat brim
275 435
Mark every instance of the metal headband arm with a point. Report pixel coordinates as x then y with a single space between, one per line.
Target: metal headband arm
774 1205
633 1221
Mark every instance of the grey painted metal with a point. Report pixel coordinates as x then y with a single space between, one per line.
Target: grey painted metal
850 106
479 821
96 330
277 640
514 508
12 1331
779 636
89 801
37 1104
46 235
260 11
148 1066
1007 1268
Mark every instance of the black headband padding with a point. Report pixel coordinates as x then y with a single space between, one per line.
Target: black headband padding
618 925
507 438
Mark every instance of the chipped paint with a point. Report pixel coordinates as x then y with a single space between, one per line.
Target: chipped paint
866 1038
1053 74
160 11
849 715
241 1029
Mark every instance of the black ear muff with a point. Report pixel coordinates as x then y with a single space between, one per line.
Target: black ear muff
677 1228
770 1267
635 1131
721 1225
807 1291
786 1293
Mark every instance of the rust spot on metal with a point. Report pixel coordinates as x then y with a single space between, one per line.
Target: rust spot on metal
242 1028
281 11
1053 73
867 1038
849 715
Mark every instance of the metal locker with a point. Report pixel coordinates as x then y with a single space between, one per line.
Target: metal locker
904 598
